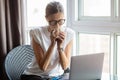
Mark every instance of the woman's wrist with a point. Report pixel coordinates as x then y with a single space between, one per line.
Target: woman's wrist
53 42
60 49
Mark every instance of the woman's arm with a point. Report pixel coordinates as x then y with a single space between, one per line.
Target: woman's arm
43 59
65 55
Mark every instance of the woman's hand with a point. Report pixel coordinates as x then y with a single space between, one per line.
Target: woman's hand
60 39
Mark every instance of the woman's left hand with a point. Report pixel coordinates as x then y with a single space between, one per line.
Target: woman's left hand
60 39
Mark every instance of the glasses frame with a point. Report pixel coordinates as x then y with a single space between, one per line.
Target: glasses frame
56 21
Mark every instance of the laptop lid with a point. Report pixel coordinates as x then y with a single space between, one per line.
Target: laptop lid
86 67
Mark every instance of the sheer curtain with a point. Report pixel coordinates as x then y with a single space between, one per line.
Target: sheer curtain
11 29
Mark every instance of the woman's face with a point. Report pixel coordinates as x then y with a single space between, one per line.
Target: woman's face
56 20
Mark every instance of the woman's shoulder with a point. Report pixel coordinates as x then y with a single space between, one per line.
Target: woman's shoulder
70 31
37 29
70 34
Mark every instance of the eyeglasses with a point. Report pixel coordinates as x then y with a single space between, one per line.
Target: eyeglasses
54 22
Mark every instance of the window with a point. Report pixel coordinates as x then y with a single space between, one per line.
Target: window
87 18
96 23
95 43
118 56
88 9
94 8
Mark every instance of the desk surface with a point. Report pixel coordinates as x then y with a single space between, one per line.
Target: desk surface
104 77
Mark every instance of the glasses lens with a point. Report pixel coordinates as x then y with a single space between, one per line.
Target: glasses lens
61 22
52 23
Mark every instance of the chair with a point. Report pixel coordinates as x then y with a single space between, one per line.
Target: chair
17 60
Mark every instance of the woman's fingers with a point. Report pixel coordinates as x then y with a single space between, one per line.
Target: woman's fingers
61 36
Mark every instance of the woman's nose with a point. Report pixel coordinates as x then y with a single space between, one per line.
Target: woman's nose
57 26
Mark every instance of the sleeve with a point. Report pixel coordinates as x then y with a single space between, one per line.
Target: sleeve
36 35
70 35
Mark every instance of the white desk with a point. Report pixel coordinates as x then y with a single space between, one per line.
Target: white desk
104 77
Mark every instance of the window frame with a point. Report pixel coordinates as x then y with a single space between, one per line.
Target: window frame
99 25
118 56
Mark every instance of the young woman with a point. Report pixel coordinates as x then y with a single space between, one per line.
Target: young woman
52 46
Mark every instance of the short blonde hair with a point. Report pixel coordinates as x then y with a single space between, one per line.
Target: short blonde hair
54 7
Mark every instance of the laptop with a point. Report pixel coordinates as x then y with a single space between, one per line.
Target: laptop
86 67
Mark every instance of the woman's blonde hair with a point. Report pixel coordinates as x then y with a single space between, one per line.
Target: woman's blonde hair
54 7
